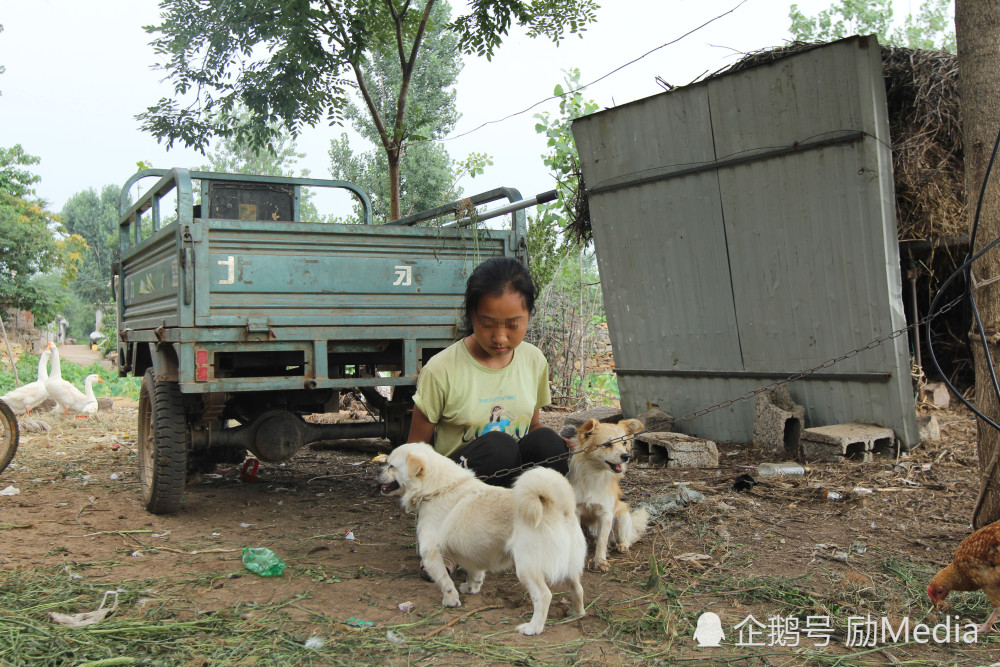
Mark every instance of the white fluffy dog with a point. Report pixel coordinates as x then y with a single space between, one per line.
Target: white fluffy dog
532 527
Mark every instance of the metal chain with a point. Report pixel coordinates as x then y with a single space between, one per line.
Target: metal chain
826 364
749 394
553 459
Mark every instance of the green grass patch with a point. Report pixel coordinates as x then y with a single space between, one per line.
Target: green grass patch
158 623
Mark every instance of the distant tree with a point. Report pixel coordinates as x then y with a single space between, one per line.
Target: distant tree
15 180
2 68
930 28
28 244
79 314
289 61
427 175
235 155
94 216
51 297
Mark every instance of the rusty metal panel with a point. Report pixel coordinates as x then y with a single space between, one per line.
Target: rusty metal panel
150 290
745 231
301 274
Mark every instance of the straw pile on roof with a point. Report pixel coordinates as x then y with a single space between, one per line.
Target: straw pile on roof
925 128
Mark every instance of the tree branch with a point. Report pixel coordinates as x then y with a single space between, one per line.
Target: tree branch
397 20
407 66
372 108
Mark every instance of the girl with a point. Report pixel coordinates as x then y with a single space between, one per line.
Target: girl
478 400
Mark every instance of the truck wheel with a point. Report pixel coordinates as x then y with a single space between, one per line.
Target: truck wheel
162 444
9 435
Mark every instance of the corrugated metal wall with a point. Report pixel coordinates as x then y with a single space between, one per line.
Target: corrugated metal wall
745 231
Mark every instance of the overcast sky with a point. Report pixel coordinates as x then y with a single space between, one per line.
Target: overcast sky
77 73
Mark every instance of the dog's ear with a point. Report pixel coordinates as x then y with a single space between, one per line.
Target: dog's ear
631 425
589 426
415 466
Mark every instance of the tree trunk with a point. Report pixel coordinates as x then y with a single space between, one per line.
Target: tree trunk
394 207
977 24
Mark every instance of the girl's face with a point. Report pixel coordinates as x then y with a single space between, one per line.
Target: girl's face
498 327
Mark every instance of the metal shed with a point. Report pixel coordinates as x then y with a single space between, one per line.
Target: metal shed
745 232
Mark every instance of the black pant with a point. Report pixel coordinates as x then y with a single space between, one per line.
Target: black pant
496 451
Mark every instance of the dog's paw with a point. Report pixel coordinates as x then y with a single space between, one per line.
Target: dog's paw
451 600
529 630
600 565
470 587
621 548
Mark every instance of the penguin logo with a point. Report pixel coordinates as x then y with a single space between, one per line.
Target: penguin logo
709 630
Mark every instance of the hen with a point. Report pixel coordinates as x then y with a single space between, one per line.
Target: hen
975 566
33 394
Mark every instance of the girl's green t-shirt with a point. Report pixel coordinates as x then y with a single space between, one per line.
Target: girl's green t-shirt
465 399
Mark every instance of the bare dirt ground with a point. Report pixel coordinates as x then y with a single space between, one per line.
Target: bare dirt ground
780 551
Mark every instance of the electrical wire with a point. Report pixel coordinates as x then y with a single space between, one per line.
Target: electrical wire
966 270
586 85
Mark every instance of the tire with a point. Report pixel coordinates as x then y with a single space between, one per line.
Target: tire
162 444
10 435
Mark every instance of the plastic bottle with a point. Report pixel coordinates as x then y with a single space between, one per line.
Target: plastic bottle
262 561
774 469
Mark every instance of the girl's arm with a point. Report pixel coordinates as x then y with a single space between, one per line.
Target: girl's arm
536 422
422 430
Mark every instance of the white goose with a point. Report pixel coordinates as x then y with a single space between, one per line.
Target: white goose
86 403
33 394
67 397
55 385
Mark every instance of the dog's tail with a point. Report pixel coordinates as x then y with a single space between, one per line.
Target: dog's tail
546 540
542 492
640 522
629 526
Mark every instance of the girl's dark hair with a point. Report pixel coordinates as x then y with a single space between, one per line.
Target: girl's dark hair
494 277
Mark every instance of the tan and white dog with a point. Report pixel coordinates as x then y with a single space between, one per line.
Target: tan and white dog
601 453
531 527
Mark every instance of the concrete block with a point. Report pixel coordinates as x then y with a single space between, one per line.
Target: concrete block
936 393
677 450
854 441
778 423
928 427
656 419
644 451
604 415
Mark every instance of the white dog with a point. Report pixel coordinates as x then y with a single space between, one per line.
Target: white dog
532 527
600 456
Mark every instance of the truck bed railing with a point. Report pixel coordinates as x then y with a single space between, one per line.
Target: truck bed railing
464 210
180 179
